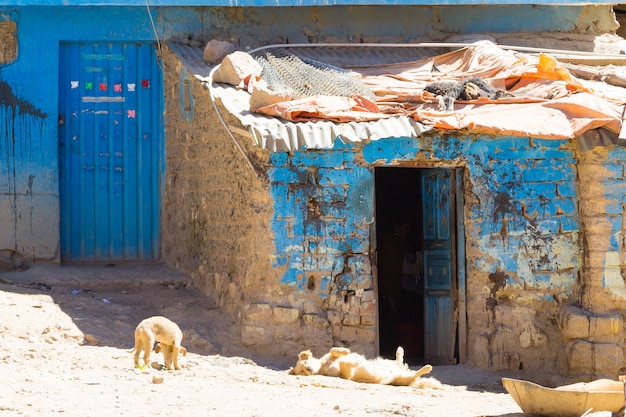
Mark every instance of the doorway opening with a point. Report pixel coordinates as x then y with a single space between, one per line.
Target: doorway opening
418 228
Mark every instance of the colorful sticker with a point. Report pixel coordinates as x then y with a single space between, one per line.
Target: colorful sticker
89 85
131 87
117 88
145 83
103 87
74 84
131 114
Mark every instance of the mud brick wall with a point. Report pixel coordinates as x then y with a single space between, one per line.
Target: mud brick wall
604 213
287 246
322 220
522 239
594 327
263 242
546 284
522 250
217 209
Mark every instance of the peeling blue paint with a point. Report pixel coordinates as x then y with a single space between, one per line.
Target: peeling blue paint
387 150
566 189
522 222
322 201
569 223
614 192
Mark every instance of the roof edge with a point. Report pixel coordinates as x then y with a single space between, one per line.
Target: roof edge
296 3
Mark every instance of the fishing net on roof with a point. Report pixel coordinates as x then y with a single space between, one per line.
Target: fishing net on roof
306 77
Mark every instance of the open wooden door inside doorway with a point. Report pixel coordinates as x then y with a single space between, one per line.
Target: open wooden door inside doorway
420 263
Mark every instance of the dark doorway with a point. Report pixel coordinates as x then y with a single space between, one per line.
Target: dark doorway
416 234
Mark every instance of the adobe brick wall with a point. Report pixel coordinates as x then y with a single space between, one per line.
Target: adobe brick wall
8 41
217 210
287 247
218 226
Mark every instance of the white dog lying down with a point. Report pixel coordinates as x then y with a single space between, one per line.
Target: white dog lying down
163 330
340 362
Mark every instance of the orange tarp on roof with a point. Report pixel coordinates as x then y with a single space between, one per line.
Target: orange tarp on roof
547 101
337 109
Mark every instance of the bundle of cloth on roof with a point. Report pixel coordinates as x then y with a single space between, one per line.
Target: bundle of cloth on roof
480 88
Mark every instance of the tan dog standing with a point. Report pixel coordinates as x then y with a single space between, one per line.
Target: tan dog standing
167 353
158 329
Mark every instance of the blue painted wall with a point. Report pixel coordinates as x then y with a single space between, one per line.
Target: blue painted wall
29 207
522 237
29 203
323 205
524 224
290 3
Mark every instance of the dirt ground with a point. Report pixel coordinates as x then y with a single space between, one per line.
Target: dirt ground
66 332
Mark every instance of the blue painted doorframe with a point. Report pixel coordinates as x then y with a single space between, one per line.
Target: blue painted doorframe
110 151
440 277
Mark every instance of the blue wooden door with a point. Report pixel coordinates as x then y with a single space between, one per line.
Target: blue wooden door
438 206
110 151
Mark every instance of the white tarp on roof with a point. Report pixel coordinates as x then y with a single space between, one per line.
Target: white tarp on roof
278 135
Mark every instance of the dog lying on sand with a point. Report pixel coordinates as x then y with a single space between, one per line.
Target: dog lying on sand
166 332
341 362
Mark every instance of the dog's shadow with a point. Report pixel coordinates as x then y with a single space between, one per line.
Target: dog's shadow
107 302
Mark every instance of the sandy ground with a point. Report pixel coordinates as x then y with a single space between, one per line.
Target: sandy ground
66 332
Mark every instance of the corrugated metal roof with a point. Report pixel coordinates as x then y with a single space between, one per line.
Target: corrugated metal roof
279 135
362 55
192 57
